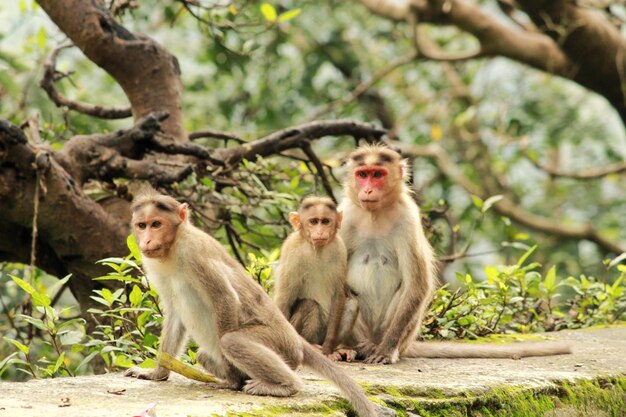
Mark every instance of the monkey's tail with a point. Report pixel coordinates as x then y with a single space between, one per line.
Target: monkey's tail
355 394
462 350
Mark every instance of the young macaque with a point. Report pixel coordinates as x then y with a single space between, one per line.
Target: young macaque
310 286
392 267
243 337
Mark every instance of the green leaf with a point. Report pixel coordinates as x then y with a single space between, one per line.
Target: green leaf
269 12
492 273
107 295
39 299
526 255
59 362
123 362
35 322
59 284
23 348
478 202
148 363
42 37
135 296
131 242
288 15
86 360
550 280
71 338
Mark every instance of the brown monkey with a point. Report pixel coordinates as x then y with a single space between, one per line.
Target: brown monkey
392 267
244 339
310 284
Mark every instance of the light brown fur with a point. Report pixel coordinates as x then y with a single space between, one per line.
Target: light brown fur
391 265
310 284
244 339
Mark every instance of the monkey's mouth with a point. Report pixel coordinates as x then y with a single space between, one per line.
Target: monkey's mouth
152 253
319 242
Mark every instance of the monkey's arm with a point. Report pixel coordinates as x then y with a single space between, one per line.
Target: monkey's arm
335 316
214 284
288 281
172 337
412 301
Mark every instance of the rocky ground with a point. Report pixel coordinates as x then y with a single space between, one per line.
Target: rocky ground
590 382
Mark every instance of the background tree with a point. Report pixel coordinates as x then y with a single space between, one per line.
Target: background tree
513 106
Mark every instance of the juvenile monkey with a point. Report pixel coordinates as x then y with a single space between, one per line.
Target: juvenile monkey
310 284
244 339
392 267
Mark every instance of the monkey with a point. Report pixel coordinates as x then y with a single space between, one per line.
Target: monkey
244 339
392 267
310 287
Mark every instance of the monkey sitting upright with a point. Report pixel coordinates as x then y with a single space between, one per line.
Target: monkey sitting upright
311 288
243 338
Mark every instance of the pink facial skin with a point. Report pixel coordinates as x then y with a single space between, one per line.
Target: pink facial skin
370 181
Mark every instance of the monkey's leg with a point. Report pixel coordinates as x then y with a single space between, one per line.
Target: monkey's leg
221 368
248 350
307 318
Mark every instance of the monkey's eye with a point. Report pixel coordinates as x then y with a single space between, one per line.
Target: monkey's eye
325 221
313 221
362 174
377 174
141 226
156 224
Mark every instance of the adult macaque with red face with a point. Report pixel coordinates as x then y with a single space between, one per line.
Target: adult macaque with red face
243 337
391 265
311 279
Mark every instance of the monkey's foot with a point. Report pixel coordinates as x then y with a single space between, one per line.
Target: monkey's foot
156 374
229 385
258 387
382 358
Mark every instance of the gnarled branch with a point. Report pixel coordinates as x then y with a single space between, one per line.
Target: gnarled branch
51 76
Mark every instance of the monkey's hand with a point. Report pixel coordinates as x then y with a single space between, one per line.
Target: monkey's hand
382 356
347 355
153 374
365 348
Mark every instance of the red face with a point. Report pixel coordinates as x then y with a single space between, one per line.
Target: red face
370 182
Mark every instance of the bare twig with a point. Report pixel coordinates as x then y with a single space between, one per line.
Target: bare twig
306 147
217 134
364 86
51 76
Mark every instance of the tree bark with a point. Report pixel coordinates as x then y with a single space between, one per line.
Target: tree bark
132 60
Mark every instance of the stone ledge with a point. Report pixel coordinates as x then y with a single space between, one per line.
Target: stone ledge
590 382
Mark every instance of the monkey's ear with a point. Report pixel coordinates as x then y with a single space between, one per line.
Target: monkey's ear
339 219
183 212
404 163
294 219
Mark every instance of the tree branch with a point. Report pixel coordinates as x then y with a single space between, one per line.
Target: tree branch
148 74
51 76
587 174
293 137
496 38
505 206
